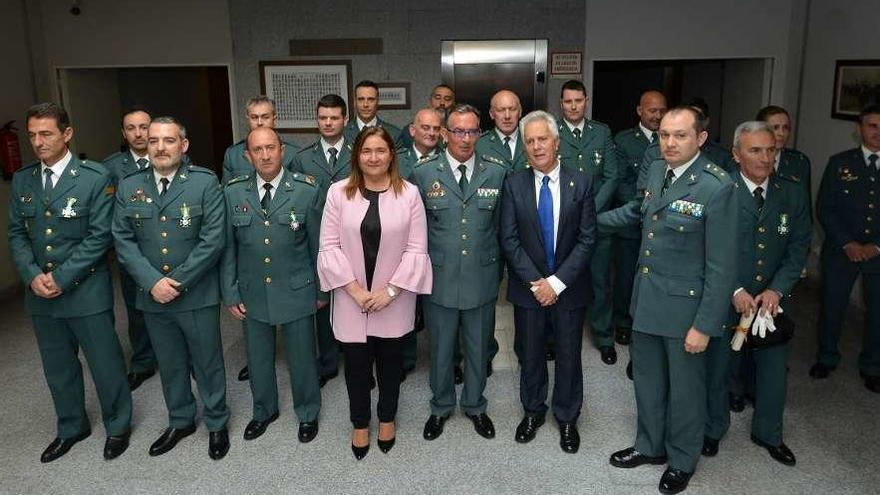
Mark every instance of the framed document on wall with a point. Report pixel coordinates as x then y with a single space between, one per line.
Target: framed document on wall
297 85
856 85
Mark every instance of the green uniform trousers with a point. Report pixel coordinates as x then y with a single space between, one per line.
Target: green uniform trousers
670 386
477 326
184 341
143 359
299 347
771 383
328 347
718 361
626 260
600 309
59 340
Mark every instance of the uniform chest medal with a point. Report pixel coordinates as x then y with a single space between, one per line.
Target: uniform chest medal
185 219
27 198
597 157
847 176
485 192
68 211
294 222
687 208
436 191
139 195
783 224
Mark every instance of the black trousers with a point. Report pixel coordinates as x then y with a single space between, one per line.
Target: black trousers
387 354
531 330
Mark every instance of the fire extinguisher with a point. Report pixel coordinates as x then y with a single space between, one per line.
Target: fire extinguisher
10 151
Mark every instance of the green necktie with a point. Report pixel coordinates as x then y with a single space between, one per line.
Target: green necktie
670 175
462 181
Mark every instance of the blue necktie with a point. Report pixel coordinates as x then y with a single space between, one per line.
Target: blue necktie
545 215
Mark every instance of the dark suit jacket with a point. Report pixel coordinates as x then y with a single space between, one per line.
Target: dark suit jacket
522 244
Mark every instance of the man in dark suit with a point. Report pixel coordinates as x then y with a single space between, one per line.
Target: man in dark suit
548 231
366 96
847 208
686 274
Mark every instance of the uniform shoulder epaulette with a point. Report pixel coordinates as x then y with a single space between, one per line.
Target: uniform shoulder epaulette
716 171
798 155
310 147
488 133
427 159
112 157
490 158
305 178
93 165
788 177
240 178
625 133
203 170
597 125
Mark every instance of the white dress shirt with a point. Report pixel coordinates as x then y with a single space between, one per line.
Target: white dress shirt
511 144
647 132
158 178
275 182
557 285
56 169
361 124
136 157
453 164
326 147
572 127
867 153
679 170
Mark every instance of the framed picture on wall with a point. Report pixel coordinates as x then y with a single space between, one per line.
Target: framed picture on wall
394 95
856 85
296 86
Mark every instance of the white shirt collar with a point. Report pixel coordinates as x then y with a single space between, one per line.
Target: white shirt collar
58 168
647 132
136 157
361 124
275 183
866 152
752 186
326 146
419 154
553 174
501 136
453 163
677 171
579 125
777 160
158 178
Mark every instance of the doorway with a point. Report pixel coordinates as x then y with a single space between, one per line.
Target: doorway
198 97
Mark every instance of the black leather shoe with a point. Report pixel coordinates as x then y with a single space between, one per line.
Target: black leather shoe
458 375
307 431
872 383
482 425
630 458
256 428
60 446
323 379
737 403
528 428
820 371
609 355
135 379
434 426
218 444
244 375
169 439
550 353
781 453
114 446
569 438
710 447
360 452
629 369
489 369
674 481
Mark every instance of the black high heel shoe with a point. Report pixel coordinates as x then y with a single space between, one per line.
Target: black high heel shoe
385 445
361 452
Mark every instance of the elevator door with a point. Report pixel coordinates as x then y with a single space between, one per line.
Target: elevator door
477 69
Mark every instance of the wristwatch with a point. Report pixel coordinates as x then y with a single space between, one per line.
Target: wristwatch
392 292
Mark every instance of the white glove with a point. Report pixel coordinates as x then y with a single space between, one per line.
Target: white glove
764 323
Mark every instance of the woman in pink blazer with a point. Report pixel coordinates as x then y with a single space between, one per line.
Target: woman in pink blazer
373 256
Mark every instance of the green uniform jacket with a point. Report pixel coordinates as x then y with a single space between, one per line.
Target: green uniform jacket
773 244
719 156
463 237
312 161
687 260
796 166
180 236
235 163
491 145
269 260
595 154
351 130
67 234
631 145
407 161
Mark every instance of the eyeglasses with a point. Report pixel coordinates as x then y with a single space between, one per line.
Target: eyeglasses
463 133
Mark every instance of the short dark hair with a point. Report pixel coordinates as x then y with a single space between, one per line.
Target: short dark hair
133 109
442 86
700 120
256 100
573 85
698 103
50 110
366 83
769 111
868 110
463 108
332 101
166 119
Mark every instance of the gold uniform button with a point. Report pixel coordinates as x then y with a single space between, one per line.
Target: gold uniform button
464 252
268 280
266 223
647 252
867 231
654 217
164 234
692 292
163 218
48 213
650 235
866 218
645 269
166 268
681 228
48 249
580 157
761 229
760 262
870 206
164 250
464 220
267 241
267 259
50 265
464 204
761 245
759 278
871 193
464 237
49 231
137 215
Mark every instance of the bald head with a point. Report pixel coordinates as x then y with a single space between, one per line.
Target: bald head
505 110
652 106
425 129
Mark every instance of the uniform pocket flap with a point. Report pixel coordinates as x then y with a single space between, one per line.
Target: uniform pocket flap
436 204
683 223
300 281
28 211
489 257
241 220
486 203
139 213
685 288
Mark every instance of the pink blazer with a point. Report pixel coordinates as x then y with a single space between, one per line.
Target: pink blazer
402 260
